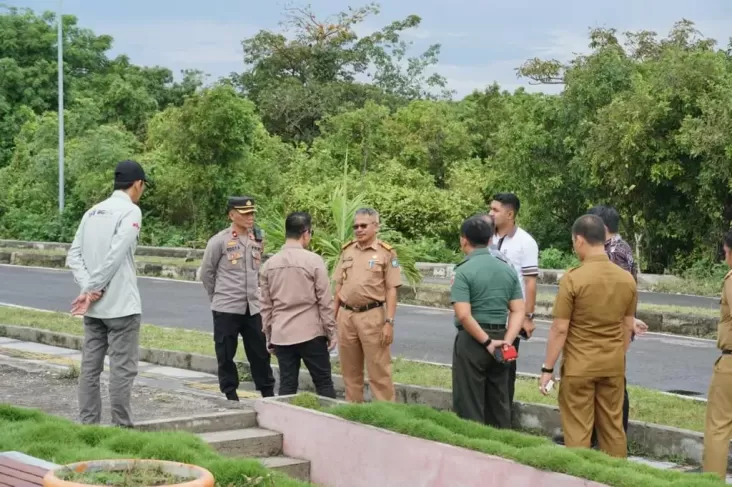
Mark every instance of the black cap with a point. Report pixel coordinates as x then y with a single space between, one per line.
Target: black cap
129 172
242 204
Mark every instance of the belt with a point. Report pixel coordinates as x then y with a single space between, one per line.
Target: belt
361 309
488 326
726 352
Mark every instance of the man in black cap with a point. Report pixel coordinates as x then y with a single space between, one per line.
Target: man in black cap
102 259
230 275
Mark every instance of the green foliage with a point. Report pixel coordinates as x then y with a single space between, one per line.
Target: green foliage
427 423
645 127
61 441
552 258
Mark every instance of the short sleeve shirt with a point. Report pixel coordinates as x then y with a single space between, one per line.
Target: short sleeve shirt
365 274
488 284
724 330
595 297
522 252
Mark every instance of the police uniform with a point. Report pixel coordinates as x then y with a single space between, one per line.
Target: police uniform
595 297
364 275
479 382
718 427
230 275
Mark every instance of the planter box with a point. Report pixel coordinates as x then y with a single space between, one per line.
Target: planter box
348 454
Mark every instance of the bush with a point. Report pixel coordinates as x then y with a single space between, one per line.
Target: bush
552 258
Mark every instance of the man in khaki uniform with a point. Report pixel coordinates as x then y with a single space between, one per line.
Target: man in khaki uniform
230 275
718 427
297 309
367 277
593 322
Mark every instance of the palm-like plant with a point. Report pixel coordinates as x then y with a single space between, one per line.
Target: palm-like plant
329 240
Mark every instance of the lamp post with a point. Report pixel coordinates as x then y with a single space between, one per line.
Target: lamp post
60 109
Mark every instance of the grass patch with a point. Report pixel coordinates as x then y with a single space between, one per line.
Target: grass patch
645 404
538 452
62 442
711 312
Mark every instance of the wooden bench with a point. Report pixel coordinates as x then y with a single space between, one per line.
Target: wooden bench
17 474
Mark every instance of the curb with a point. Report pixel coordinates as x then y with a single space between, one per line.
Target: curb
657 440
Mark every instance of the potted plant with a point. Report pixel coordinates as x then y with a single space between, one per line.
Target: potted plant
128 473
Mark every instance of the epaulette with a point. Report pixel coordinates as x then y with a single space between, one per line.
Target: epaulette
386 246
728 274
572 269
348 244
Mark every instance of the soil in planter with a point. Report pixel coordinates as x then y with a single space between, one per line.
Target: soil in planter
134 477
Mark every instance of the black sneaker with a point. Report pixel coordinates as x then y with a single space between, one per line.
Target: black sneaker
232 396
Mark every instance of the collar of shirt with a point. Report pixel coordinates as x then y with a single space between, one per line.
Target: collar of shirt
510 234
374 245
118 193
596 258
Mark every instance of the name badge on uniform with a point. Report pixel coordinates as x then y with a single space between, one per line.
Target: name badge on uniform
371 264
231 243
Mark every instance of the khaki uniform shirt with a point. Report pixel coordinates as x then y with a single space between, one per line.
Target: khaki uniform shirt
297 304
365 274
595 297
230 272
724 330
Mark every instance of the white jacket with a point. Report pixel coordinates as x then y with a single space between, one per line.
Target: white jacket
102 256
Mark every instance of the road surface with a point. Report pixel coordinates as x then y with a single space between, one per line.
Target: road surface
669 363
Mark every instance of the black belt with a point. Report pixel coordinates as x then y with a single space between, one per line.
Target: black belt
488 326
361 309
726 352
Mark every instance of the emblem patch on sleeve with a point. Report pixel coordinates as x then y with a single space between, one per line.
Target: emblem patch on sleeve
395 262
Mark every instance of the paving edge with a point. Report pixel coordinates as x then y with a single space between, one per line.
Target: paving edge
655 440
429 295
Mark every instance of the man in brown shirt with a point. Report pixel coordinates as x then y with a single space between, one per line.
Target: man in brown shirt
718 428
593 321
367 277
297 309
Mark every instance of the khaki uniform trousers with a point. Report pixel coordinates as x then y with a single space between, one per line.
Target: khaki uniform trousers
598 401
718 427
359 337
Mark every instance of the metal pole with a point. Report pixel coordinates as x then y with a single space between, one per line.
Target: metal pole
60 109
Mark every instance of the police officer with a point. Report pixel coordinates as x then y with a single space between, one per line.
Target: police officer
367 277
593 322
486 293
718 427
230 275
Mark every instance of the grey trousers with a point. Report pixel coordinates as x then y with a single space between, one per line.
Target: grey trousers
121 338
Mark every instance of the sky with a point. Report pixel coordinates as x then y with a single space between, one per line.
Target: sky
481 41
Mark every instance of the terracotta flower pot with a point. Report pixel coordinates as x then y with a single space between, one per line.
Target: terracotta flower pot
201 477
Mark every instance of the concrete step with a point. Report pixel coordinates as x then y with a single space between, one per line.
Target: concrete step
294 467
204 423
249 442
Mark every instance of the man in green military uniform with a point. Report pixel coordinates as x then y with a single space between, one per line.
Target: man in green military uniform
485 292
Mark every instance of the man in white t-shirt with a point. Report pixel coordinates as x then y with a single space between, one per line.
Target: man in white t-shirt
521 250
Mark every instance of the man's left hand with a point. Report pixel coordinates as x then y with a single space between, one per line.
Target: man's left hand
544 381
387 334
640 327
529 326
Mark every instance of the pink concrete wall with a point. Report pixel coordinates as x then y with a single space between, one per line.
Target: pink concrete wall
349 454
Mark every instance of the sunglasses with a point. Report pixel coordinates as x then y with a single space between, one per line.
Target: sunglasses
361 226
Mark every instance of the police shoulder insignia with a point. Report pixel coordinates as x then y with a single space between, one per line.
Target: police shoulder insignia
386 245
348 244
395 262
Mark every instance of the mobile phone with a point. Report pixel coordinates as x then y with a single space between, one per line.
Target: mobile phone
549 386
498 354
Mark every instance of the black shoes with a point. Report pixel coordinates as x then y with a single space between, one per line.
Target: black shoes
232 396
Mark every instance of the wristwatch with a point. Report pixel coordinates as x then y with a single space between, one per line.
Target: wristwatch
530 316
390 321
545 370
487 342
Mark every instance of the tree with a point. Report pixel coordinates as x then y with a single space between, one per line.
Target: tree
297 81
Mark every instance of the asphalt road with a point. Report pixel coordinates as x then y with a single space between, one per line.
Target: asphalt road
669 363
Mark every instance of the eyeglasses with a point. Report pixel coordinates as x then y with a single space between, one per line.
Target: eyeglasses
360 225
